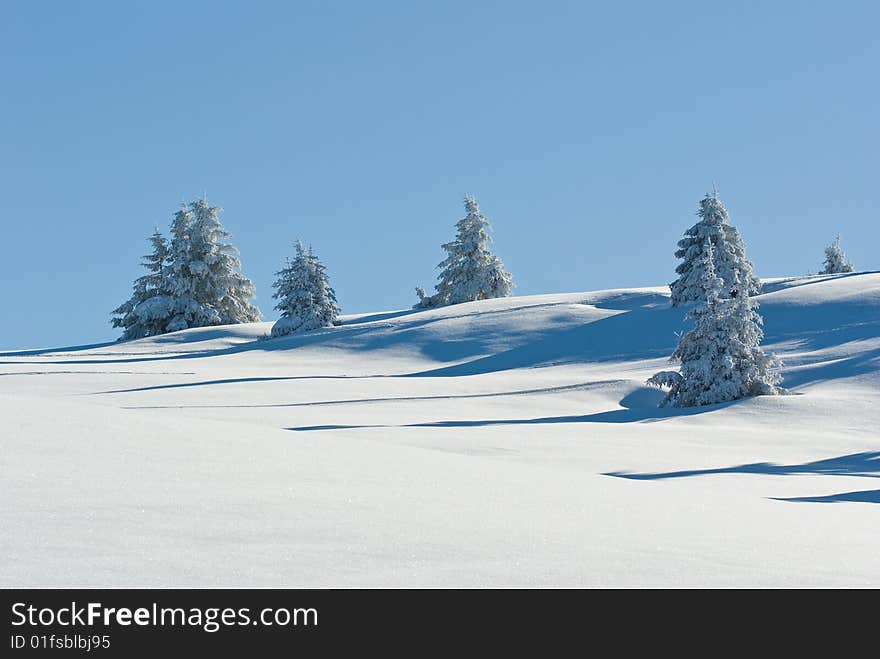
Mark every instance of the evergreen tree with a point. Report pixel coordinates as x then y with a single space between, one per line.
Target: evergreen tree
205 285
223 286
145 288
193 282
731 264
721 358
835 259
305 299
323 294
186 305
470 271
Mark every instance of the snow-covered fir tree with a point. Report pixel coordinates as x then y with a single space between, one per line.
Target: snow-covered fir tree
223 285
178 306
198 285
305 299
148 286
721 358
204 283
731 264
470 271
835 259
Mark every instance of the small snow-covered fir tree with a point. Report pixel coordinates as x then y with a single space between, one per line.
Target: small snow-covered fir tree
305 299
145 288
835 259
205 285
731 264
721 358
470 271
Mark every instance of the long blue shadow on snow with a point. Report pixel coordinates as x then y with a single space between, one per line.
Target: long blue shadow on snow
388 399
374 317
860 364
639 406
863 496
456 347
797 282
283 343
866 464
638 334
209 383
46 351
615 416
817 327
814 327
630 300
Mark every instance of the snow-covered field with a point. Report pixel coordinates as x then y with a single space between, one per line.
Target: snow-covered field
507 442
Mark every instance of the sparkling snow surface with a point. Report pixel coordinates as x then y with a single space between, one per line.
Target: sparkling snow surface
499 443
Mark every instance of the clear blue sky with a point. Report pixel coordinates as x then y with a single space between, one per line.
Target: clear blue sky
587 131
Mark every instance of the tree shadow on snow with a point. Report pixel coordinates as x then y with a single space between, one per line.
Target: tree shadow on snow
639 406
36 352
846 367
282 343
864 496
352 401
209 383
796 282
866 464
645 332
374 317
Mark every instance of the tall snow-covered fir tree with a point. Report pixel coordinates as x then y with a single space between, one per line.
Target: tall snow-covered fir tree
205 285
835 259
222 283
721 358
305 298
470 271
148 286
179 307
731 264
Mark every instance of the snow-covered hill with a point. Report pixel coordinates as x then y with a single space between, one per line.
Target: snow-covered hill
506 442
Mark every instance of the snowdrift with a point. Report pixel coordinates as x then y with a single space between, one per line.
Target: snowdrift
506 442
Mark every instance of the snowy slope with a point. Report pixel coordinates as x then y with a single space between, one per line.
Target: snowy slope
506 442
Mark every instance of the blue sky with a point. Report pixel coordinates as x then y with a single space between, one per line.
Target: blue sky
587 131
